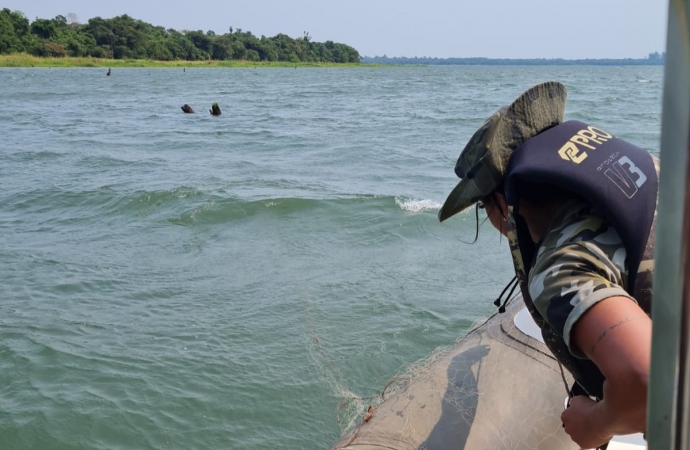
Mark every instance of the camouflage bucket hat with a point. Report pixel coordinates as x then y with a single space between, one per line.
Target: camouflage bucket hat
484 160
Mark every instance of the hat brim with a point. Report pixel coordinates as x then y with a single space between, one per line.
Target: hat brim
462 197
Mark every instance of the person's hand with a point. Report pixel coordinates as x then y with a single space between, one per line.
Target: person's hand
578 423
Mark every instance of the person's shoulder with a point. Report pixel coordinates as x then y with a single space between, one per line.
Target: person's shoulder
581 250
577 221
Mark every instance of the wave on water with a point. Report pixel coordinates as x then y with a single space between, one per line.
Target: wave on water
415 206
220 210
186 205
190 207
31 156
92 203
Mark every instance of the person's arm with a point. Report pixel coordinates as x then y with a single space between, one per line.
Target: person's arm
616 335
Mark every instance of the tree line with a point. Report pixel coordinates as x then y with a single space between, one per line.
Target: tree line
653 59
124 37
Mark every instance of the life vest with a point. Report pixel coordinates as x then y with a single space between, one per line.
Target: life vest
618 179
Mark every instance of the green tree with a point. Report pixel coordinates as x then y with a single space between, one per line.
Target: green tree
222 48
252 55
238 50
124 37
182 48
14 27
44 29
201 41
158 50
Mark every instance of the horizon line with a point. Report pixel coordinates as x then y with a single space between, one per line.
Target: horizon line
647 58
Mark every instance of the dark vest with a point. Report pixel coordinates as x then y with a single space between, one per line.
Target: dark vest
619 180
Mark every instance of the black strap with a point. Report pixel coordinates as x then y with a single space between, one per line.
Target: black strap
576 389
497 302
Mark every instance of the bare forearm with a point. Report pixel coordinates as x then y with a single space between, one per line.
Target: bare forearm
624 407
616 335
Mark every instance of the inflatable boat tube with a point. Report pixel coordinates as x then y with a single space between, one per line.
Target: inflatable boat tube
498 388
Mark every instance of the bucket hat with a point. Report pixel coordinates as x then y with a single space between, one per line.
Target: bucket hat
484 160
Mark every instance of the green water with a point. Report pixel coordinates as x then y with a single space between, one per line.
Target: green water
173 281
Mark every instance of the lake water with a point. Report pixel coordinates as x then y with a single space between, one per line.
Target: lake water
174 281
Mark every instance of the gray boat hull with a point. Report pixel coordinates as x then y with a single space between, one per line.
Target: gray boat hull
498 388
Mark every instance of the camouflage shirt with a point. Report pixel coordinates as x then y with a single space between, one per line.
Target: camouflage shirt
580 262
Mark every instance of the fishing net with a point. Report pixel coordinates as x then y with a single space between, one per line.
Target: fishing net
496 388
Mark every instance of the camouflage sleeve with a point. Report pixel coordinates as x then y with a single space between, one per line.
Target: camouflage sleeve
581 261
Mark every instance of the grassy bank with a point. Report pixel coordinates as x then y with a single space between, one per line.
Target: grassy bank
25 60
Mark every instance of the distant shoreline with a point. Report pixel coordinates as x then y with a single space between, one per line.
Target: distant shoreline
26 60
654 59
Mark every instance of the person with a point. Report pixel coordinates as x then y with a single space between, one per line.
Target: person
578 208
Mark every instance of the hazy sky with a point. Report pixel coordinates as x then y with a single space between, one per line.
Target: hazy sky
436 28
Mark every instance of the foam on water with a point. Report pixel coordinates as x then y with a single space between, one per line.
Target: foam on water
415 206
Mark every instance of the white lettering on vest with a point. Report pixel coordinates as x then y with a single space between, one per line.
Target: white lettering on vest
622 177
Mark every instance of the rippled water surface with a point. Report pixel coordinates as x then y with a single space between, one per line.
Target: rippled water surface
174 281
